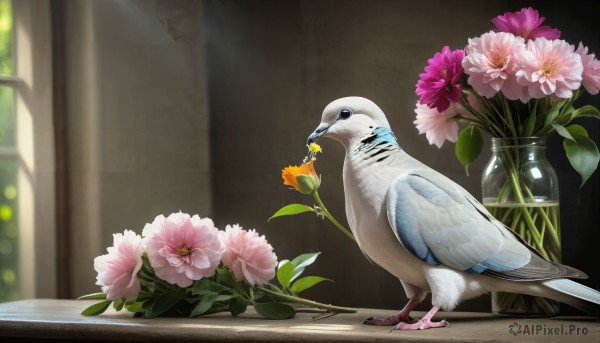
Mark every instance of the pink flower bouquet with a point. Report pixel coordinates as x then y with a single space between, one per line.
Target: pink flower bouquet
518 80
184 266
519 83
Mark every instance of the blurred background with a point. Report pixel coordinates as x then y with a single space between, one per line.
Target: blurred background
113 112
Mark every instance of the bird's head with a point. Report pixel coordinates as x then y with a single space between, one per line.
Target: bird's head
347 119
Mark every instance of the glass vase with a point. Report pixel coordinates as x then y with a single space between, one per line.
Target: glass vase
520 188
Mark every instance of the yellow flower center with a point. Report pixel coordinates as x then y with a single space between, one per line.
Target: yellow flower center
184 251
549 66
498 59
314 147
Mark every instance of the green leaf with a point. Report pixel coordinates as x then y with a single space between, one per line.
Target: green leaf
204 305
145 295
291 209
301 262
275 310
561 130
135 307
92 296
577 130
282 262
97 309
146 266
225 297
118 304
225 278
468 146
305 260
207 287
583 154
165 302
586 111
307 282
529 125
164 287
237 305
551 116
284 274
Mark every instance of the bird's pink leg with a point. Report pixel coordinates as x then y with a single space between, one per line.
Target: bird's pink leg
402 317
423 323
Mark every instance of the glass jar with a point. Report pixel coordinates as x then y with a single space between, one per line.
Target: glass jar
520 188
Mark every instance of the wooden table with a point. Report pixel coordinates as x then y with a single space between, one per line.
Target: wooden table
53 320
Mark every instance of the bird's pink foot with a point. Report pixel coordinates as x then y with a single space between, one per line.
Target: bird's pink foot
423 323
402 316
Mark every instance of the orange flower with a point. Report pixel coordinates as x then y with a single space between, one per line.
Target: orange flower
303 178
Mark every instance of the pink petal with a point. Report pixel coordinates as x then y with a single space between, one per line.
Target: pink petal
117 270
166 237
244 249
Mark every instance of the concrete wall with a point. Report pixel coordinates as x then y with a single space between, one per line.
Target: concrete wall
138 123
145 138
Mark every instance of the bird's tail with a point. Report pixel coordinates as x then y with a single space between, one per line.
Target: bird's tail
575 294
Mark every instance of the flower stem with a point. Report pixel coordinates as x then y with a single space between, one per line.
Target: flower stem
331 218
539 224
311 303
535 235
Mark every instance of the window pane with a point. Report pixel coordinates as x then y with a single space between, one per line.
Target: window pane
7 117
6 38
9 247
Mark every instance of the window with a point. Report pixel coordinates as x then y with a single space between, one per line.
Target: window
27 198
9 162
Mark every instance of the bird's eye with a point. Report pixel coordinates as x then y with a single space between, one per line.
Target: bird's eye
345 113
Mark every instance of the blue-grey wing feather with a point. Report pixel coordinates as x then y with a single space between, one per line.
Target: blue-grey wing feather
439 222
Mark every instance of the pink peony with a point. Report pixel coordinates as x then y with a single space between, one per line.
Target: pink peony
249 256
117 270
490 64
549 67
591 70
182 249
525 23
440 84
437 126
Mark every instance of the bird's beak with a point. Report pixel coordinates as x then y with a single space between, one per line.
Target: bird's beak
320 131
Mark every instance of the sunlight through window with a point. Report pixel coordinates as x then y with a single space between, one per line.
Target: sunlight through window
9 276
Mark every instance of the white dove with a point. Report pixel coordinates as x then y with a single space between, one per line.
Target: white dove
427 230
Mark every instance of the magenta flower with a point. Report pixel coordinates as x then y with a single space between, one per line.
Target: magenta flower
249 256
549 67
439 84
591 70
117 270
182 249
525 23
490 64
437 126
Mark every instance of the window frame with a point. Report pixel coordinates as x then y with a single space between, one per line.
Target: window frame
11 153
13 82
32 92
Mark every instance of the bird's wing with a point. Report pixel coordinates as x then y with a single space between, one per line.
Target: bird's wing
440 222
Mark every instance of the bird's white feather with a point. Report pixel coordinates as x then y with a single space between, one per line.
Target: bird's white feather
573 288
